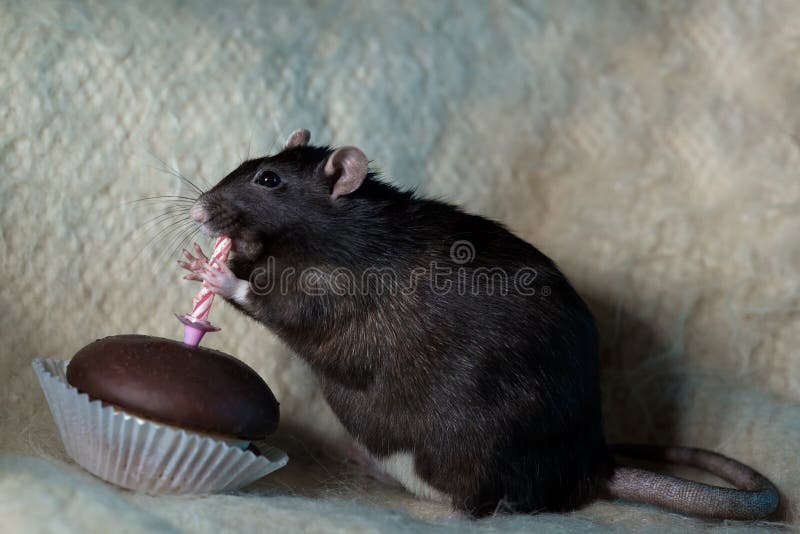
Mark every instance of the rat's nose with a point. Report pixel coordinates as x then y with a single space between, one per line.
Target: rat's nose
198 213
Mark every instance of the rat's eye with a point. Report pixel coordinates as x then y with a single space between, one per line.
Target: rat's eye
267 179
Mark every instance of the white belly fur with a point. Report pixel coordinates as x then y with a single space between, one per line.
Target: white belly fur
400 466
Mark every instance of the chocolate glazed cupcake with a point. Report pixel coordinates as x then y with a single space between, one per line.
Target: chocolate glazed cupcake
158 416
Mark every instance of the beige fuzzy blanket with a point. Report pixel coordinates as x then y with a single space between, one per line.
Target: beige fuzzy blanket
650 148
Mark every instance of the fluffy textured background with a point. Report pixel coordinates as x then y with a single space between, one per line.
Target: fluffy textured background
648 147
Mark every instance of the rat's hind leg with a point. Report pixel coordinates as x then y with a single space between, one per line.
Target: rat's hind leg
359 456
402 467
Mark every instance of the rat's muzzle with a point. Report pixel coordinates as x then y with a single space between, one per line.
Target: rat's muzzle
215 215
199 213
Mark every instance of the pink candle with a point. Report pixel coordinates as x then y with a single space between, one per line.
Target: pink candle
196 324
202 301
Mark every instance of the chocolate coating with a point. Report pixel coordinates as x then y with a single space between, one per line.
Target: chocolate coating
166 381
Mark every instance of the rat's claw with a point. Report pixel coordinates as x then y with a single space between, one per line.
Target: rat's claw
200 254
193 265
188 256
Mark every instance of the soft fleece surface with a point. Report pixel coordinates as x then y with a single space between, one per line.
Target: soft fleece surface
649 148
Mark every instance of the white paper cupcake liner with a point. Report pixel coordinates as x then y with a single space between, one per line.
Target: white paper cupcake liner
143 455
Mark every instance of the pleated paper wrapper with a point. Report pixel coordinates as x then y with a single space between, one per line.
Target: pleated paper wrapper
143 455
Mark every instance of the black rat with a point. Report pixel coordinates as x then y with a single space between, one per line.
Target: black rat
457 355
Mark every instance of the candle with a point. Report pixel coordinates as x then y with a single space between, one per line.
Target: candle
202 301
196 324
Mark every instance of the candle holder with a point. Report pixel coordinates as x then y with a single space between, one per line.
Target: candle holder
194 329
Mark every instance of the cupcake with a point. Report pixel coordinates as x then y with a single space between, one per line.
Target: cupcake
159 416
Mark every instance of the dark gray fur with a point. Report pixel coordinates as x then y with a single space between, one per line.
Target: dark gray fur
497 394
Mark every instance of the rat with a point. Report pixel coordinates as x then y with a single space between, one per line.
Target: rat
458 356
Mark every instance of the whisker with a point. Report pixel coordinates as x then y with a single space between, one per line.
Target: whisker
178 238
162 204
191 183
184 242
177 215
191 234
163 207
174 172
175 198
272 145
163 251
200 176
160 235
278 129
192 189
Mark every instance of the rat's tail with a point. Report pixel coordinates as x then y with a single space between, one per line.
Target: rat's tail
755 498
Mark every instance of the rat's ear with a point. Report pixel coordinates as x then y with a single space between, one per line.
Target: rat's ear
299 137
346 167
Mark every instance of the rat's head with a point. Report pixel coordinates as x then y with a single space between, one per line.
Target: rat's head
265 197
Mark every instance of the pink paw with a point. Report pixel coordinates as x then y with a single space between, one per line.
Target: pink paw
217 276
194 264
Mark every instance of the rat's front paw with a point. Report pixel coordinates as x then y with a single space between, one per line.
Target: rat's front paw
217 276
194 264
221 280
